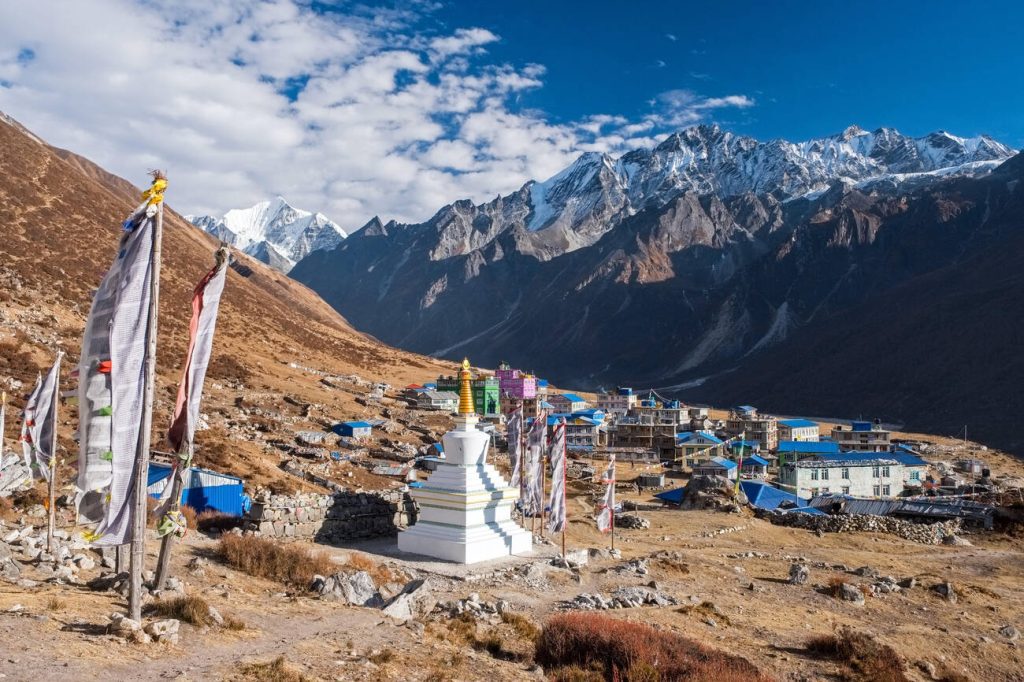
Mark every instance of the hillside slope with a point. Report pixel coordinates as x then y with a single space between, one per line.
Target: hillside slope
61 218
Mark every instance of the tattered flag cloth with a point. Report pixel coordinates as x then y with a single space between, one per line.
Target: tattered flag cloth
3 425
536 439
556 522
606 508
111 383
39 426
515 445
180 435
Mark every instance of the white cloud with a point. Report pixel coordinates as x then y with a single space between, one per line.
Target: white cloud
351 113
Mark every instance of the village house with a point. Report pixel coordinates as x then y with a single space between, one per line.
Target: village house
862 436
868 476
443 401
567 403
792 450
798 429
581 431
650 424
716 466
515 385
694 445
754 467
356 429
486 393
745 420
744 447
617 403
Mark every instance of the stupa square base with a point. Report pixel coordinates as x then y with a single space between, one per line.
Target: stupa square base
466 546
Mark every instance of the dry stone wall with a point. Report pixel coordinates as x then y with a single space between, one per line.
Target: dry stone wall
925 533
338 517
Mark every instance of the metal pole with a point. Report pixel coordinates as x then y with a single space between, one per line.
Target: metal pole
138 543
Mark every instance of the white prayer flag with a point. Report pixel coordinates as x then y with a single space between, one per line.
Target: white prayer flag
111 384
514 433
606 508
39 426
536 440
556 522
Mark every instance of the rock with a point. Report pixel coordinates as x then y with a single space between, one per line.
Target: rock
946 591
908 583
631 521
9 569
215 615
161 628
356 588
121 624
866 572
174 585
84 562
12 536
1009 632
36 511
799 574
579 557
956 541
415 601
107 581
851 593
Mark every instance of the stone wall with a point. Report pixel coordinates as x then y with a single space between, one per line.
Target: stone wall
342 516
926 533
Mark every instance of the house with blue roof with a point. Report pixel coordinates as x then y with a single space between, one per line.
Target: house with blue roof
915 469
581 431
798 429
744 447
793 450
568 402
356 429
860 474
717 466
694 445
768 497
754 467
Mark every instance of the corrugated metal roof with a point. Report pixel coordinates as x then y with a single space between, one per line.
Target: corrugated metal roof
808 446
797 423
572 398
754 460
764 496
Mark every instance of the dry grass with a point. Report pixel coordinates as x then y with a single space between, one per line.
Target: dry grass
383 656
215 521
265 558
56 604
706 609
865 658
277 670
380 573
7 512
584 646
190 609
522 626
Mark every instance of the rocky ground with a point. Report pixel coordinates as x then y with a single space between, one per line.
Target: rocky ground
730 580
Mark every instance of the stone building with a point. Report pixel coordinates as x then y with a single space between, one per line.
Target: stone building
862 436
762 428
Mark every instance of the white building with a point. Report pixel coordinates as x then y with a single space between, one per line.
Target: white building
445 401
879 477
618 403
862 437
798 430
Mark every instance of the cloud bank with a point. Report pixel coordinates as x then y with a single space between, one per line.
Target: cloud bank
354 112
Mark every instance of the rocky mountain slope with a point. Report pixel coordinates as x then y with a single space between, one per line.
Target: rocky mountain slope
668 266
275 341
273 232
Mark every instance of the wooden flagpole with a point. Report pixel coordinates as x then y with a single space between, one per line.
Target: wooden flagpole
138 543
543 481
613 506
51 513
565 499
167 543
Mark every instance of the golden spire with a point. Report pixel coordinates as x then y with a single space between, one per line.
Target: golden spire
465 389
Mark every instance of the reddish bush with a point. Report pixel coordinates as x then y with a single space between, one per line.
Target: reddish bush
620 650
867 659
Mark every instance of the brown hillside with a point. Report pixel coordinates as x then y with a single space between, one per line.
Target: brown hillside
60 215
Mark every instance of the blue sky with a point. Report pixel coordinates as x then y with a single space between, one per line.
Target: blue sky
394 110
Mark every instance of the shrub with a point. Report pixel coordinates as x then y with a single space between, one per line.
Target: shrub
381 657
866 658
56 604
277 670
191 609
522 625
265 558
618 649
215 521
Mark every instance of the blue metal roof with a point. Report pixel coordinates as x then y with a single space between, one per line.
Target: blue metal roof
687 436
809 447
358 425
745 444
674 496
855 456
754 460
546 405
746 408
573 398
717 462
764 496
797 423
860 426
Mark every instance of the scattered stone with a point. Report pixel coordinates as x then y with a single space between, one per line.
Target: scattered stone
357 589
799 574
946 591
1009 632
866 572
908 583
174 584
622 598
84 562
638 566
631 521
164 631
956 541
851 593
415 601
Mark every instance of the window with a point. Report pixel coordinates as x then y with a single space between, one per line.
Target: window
886 490
874 472
824 474
825 490
814 474
846 473
885 472
876 491
846 490
814 492
915 475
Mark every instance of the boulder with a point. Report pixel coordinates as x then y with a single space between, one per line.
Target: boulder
414 601
1009 632
946 591
162 628
851 593
799 574
9 569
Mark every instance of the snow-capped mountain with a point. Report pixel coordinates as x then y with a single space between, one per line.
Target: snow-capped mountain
274 232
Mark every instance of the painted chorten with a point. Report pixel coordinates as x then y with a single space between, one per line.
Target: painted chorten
465 506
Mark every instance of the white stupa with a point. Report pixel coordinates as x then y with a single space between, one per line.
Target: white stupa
465 506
